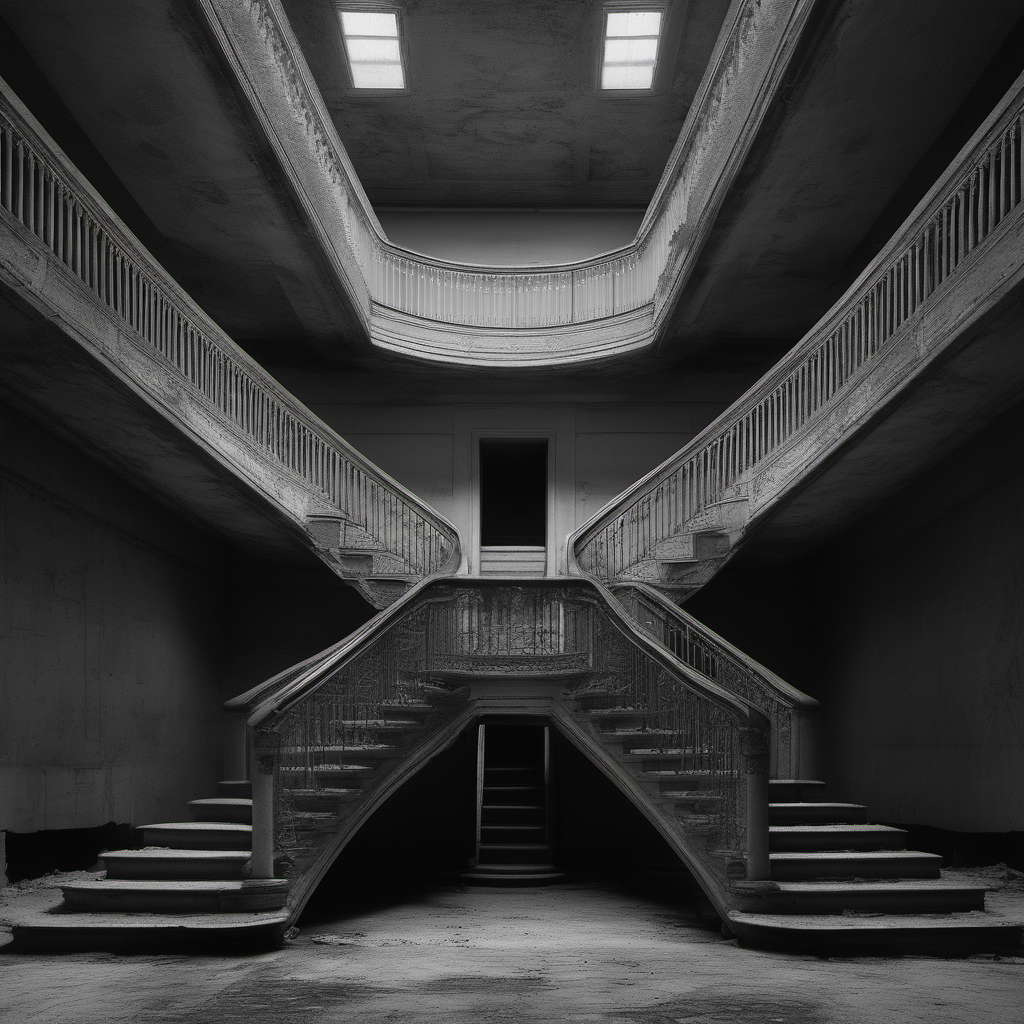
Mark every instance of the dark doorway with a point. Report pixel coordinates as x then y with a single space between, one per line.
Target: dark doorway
513 492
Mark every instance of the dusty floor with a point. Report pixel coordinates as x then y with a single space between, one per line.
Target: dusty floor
594 952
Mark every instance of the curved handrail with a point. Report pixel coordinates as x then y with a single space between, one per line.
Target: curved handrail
325 715
44 192
966 207
281 692
705 651
414 303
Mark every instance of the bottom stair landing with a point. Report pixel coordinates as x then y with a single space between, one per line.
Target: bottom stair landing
187 889
840 885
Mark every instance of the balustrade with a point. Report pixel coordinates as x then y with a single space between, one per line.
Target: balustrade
44 193
964 210
315 725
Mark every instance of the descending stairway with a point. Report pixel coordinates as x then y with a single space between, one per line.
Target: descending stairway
513 835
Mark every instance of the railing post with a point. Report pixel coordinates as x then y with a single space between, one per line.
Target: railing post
754 747
262 758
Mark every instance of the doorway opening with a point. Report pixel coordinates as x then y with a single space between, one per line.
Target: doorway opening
513 506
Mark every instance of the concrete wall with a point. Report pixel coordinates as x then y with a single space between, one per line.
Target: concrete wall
112 628
923 646
596 449
511 237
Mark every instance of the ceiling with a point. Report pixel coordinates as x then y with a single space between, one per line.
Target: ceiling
502 112
502 106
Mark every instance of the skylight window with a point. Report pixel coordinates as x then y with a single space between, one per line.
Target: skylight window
630 49
373 48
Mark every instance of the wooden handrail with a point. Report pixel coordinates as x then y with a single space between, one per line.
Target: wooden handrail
963 211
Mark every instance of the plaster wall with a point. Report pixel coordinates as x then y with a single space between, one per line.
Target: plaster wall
111 626
596 451
922 690
511 237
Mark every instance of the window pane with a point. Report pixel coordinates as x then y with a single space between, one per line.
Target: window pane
634 23
359 23
630 50
627 76
378 76
373 50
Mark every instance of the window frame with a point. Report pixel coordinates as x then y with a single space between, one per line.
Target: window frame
372 7
633 7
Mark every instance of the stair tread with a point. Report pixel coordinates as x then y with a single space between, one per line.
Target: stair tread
164 852
175 885
221 801
894 886
202 826
813 803
150 922
832 828
806 855
855 922
795 782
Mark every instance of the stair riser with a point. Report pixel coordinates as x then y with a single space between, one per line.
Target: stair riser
812 844
795 792
811 816
170 870
944 902
171 903
510 855
234 814
233 788
498 834
205 840
814 870
133 939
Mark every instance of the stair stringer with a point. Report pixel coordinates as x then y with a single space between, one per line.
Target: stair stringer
722 899
428 747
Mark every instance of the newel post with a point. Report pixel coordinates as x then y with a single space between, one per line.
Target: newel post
263 758
754 746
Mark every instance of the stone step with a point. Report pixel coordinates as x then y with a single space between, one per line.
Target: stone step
235 787
40 932
123 895
854 864
222 808
823 813
199 835
512 874
884 934
795 790
153 863
835 837
908 896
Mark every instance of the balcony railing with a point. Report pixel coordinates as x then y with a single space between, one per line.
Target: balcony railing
45 194
308 723
515 315
962 214
792 750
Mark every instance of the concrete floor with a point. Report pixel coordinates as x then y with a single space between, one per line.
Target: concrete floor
606 952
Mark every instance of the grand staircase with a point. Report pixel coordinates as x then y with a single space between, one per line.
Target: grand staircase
703 741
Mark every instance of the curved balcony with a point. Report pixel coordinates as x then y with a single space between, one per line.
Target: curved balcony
511 316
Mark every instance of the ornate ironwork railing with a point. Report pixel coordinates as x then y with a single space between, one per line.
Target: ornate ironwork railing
438 298
964 210
322 730
792 747
44 193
